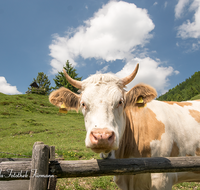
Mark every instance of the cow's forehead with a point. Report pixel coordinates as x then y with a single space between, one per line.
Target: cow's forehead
102 87
99 79
104 92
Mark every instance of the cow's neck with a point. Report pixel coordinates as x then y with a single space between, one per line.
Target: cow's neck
141 128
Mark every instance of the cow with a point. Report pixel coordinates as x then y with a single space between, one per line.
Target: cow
127 124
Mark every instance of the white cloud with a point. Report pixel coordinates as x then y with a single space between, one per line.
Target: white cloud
176 72
119 30
103 70
195 46
179 8
155 3
189 46
150 72
190 29
6 88
112 33
165 5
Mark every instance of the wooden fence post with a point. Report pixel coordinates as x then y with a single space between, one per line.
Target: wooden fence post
52 180
39 167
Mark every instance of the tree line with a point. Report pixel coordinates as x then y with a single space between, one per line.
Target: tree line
43 84
185 90
182 92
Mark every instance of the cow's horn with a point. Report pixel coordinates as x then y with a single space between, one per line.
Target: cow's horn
73 82
129 78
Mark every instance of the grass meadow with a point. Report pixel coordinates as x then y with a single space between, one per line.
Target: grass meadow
25 119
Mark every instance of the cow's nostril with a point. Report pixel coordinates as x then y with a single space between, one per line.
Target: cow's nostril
95 137
111 137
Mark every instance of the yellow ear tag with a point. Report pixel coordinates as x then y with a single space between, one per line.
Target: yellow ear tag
63 109
140 100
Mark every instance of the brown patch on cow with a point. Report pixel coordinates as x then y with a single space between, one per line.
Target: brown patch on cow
197 151
182 104
188 155
64 95
195 114
142 128
169 102
175 150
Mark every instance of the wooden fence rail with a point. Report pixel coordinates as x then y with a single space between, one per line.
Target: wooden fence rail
43 169
87 168
12 170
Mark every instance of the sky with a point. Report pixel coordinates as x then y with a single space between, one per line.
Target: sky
99 37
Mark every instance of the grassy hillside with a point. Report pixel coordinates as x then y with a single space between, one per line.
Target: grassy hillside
185 90
197 97
29 118
25 119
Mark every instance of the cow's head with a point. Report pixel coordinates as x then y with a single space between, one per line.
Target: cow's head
103 101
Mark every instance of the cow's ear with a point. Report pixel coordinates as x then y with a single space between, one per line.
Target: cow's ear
63 96
140 94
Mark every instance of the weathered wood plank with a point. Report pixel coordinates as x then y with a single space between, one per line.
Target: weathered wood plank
83 168
15 170
52 153
14 185
86 168
52 183
14 159
52 180
39 166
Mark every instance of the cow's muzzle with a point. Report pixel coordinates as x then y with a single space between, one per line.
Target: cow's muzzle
102 140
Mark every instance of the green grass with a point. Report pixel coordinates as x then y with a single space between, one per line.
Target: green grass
197 97
192 185
25 119
29 118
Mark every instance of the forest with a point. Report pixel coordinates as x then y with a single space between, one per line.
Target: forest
183 91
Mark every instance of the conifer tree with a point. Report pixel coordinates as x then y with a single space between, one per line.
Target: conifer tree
43 85
60 79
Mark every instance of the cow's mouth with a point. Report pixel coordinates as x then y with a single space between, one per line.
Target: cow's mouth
102 149
99 150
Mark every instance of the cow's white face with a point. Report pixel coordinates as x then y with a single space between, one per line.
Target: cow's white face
102 105
102 101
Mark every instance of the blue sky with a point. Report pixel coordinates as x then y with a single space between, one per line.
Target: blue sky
98 37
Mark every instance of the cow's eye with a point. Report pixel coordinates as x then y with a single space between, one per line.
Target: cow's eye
120 102
83 105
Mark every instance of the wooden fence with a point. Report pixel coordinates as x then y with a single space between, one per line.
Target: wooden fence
43 169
